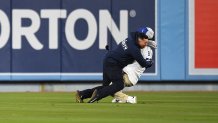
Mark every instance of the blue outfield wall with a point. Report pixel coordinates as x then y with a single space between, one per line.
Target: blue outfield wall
172 41
65 39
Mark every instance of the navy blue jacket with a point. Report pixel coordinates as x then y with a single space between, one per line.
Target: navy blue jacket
126 52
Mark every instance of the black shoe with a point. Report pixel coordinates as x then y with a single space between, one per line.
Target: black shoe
95 97
78 97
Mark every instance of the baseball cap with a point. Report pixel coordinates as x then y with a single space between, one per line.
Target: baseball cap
145 32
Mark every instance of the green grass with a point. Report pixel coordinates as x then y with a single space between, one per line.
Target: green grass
152 107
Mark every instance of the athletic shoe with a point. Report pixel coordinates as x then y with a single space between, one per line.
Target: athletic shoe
78 97
131 99
95 97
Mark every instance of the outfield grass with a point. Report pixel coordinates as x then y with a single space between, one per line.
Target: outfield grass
152 107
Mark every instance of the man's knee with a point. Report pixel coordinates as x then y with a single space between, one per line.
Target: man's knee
119 86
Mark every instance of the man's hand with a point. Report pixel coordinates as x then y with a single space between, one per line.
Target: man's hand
149 63
152 44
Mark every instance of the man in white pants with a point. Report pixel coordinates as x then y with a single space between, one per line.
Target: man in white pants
132 73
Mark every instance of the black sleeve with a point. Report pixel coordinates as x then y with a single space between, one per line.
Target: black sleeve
136 53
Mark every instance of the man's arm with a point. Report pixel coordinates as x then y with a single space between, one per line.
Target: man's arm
136 53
